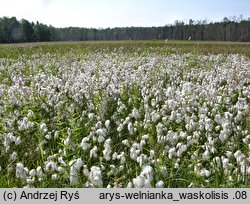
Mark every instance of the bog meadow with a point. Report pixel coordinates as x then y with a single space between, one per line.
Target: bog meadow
125 114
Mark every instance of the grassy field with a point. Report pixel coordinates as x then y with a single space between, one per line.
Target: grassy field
202 47
125 114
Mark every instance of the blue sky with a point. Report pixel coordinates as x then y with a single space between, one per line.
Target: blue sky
120 13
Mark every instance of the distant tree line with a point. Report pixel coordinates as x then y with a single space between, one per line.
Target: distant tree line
14 31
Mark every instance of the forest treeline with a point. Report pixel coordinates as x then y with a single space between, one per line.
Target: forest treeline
14 31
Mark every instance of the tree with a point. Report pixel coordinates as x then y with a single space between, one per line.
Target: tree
9 30
191 22
226 20
229 29
27 32
42 32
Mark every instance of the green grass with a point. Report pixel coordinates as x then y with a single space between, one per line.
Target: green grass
201 47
